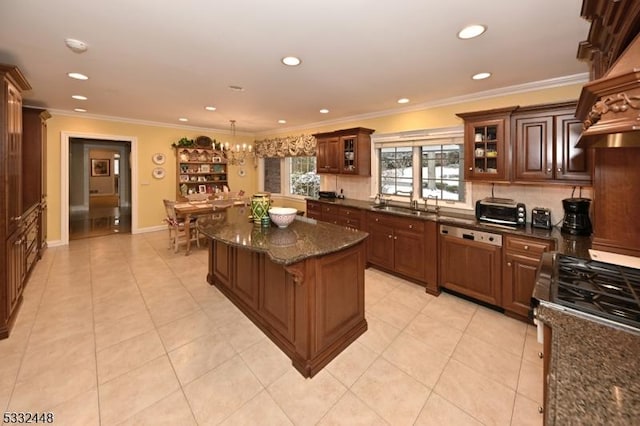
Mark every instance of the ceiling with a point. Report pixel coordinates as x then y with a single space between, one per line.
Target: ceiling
161 60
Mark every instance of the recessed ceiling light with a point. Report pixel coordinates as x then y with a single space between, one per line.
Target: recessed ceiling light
77 46
481 75
80 110
210 108
324 111
403 100
236 88
77 76
183 119
471 31
282 121
79 97
291 61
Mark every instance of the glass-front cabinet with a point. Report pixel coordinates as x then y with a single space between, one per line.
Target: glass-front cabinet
487 144
345 151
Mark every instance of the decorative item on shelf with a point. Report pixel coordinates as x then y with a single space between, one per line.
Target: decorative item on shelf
237 154
158 173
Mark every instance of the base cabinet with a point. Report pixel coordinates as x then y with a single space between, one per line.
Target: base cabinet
312 309
521 260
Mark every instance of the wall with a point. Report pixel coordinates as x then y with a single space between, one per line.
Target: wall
154 139
150 140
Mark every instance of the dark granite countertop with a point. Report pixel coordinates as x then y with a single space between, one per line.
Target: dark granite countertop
302 239
567 244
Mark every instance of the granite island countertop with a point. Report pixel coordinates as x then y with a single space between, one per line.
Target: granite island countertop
302 239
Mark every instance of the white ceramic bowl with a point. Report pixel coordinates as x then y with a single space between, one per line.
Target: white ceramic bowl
282 216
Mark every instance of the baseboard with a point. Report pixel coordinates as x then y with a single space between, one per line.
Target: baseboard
150 229
55 243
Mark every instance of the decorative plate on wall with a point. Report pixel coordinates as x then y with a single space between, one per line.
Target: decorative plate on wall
158 173
203 142
159 158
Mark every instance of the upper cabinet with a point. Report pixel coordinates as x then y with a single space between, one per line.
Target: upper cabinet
544 145
486 141
345 152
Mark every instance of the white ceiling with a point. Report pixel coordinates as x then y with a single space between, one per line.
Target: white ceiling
163 59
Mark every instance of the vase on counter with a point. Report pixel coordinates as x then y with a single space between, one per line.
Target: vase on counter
260 203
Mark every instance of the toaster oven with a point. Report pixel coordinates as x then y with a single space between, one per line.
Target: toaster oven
501 211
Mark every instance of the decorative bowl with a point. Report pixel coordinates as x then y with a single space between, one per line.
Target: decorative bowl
282 216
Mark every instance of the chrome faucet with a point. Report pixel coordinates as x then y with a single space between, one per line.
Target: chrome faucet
436 209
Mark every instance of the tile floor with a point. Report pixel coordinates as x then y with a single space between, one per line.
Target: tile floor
120 330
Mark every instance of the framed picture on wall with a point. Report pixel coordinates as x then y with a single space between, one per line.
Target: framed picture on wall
202 189
100 167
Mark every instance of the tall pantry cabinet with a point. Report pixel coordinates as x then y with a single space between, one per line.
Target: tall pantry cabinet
12 259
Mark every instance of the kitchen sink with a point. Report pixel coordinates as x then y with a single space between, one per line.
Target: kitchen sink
404 210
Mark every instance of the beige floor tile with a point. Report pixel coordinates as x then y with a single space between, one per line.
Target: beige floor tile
350 411
379 334
241 334
219 393
493 362
82 410
266 361
484 399
451 310
392 312
170 310
172 410
111 333
261 410
305 401
351 363
499 330
530 381
525 412
416 358
411 295
112 308
440 412
198 357
438 335
136 390
185 330
394 395
222 312
128 355
54 386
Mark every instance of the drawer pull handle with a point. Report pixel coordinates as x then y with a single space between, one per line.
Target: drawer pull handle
526 247
508 263
389 236
410 226
470 169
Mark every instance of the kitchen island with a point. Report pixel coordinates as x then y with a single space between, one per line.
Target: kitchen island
303 286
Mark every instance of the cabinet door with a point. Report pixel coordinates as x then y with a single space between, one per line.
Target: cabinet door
534 148
349 154
276 298
15 269
409 254
245 279
518 280
327 155
572 164
431 256
485 150
380 243
220 263
13 160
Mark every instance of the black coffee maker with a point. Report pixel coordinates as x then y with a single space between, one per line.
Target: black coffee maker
576 216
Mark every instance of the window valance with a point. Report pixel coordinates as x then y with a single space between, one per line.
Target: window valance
291 146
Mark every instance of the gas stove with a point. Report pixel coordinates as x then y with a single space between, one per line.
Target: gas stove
602 289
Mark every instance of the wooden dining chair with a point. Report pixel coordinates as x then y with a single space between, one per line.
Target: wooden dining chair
177 233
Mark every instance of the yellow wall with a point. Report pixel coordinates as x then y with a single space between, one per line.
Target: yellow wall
150 140
153 139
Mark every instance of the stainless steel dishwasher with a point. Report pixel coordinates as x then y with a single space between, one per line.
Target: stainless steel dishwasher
471 263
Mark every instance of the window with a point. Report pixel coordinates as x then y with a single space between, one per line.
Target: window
299 177
421 164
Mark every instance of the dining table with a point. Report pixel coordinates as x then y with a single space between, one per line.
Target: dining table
189 209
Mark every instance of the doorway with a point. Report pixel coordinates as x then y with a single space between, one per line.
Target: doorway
99 187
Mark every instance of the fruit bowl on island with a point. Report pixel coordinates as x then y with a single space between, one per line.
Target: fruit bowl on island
282 216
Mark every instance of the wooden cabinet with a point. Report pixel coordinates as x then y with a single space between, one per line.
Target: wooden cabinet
340 215
329 213
314 210
34 166
521 259
471 268
486 144
200 170
12 262
397 244
350 217
345 151
544 138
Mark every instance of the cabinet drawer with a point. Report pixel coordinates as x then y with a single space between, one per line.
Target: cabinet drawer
329 209
526 245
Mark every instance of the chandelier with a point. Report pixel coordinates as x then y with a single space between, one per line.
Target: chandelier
237 154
